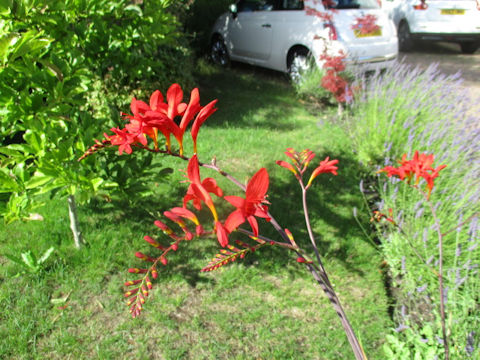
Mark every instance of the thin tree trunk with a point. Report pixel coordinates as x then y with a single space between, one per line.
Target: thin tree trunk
72 212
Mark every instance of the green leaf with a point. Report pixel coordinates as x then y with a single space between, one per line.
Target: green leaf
14 258
45 256
37 180
134 8
5 42
29 260
29 43
7 183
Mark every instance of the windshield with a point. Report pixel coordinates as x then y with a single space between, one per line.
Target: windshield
353 4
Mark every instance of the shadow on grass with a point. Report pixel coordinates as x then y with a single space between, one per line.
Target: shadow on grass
244 91
331 200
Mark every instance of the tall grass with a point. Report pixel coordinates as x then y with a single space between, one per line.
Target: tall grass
398 112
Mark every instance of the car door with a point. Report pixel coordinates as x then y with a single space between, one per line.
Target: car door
250 31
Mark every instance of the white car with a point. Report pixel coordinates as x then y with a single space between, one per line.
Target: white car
280 35
437 20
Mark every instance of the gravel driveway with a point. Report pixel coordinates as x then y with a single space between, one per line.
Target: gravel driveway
450 60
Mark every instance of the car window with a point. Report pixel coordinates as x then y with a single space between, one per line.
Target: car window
353 4
256 5
291 5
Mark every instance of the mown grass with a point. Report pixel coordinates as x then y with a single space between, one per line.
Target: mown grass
266 306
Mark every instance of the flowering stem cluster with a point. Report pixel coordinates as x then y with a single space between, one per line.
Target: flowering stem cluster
146 122
420 166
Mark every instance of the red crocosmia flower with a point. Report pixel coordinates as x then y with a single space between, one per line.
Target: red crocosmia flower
287 166
203 115
252 206
326 166
185 213
419 167
122 139
198 190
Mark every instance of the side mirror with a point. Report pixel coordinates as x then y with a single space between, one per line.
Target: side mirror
233 9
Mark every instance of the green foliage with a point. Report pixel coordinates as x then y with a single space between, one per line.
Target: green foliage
66 68
29 261
310 88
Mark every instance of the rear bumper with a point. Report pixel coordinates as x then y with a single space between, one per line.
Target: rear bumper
459 37
370 63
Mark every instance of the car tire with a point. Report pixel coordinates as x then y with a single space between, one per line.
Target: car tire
469 47
218 52
298 62
405 42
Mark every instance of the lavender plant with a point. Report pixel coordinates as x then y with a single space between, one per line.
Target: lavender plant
405 109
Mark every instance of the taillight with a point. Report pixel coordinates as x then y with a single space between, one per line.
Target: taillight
332 31
423 5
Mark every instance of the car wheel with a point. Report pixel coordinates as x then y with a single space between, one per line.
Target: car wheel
298 63
405 41
469 47
218 52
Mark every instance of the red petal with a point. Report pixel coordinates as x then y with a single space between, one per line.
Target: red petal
234 220
211 186
236 201
174 98
257 187
193 170
222 235
192 108
155 99
254 224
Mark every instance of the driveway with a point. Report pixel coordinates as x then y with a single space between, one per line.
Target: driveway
450 60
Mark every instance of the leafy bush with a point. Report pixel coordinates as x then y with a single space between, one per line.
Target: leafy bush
402 110
66 70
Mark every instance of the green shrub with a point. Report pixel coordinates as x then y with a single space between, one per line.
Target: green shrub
66 70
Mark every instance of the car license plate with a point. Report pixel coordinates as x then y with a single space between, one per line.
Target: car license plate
452 11
359 34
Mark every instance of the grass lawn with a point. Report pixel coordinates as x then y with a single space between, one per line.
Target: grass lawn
264 307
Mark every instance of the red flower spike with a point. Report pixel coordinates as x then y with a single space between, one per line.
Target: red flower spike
164 261
326 166
137 271
154 273
133 282
148 282
131 301
153 242
174 247
287 166
176 219
131 292
162 226
185 213
144 291
251 206
144 257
